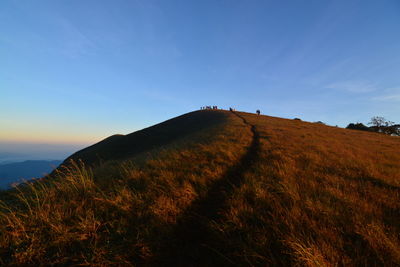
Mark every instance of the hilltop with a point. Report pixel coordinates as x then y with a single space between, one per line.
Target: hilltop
214 188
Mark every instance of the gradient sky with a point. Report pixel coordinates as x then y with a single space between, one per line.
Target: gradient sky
77 71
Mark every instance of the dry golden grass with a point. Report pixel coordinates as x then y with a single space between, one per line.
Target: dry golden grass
288 193
118 212
320 195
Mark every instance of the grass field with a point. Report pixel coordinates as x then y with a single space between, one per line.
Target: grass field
214 188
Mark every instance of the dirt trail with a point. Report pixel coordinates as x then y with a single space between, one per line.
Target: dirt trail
192 238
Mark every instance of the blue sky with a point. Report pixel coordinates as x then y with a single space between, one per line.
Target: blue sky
78 71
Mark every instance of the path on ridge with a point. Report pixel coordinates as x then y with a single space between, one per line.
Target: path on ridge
194 237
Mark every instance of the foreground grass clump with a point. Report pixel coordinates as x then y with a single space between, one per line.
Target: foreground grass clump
240 189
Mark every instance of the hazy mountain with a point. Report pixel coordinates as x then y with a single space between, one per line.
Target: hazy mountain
17 171
20 151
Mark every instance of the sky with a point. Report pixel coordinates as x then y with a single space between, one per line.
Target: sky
74 72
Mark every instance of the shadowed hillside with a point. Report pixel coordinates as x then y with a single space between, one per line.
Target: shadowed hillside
214 188
124 146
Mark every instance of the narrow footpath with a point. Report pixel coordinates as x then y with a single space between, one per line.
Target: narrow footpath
193 236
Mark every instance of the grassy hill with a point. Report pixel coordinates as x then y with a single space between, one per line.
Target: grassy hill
214 188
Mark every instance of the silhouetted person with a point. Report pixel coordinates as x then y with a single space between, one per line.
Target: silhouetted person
258 112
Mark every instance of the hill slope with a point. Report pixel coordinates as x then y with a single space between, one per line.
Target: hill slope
215 188
118 147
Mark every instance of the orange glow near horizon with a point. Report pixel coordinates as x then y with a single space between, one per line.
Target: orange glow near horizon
51 133
49 138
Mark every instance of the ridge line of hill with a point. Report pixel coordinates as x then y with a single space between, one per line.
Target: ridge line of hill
192 230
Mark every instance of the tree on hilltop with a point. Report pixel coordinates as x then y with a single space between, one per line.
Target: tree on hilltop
380 122
381 125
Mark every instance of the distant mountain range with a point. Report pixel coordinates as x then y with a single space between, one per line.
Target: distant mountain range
18 171
11 152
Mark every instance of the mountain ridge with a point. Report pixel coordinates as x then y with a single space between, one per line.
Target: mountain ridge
120 146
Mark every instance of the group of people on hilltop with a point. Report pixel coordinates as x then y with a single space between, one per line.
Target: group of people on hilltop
258 112
209 107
